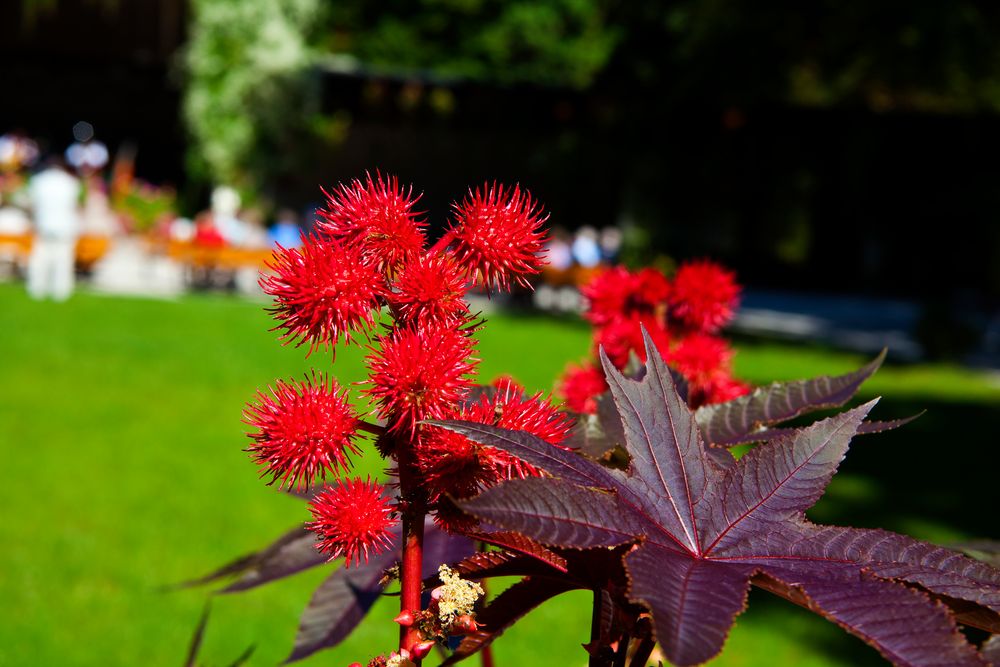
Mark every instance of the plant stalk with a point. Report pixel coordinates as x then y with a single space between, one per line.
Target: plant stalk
411 572
599 656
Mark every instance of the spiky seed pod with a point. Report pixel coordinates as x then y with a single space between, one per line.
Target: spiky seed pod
497 236
353 519
580 387
430 290
704 295
303 429
377 215
420 372
323 290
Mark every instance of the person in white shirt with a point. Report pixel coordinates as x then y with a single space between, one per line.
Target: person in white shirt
55 203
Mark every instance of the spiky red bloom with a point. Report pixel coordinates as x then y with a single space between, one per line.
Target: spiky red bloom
580 387
510 408
622 337
376 214
699 357
607 293
704 295
420 372
497 235
615 294
353 519
430 289
323 290
705 362
650 289
304 429
452 465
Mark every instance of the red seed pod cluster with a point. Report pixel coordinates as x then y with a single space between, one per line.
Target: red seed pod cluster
682 317
366 275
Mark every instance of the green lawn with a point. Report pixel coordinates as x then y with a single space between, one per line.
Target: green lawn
121 439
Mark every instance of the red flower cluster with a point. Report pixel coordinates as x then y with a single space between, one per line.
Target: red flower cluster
453 465
680 316
367 261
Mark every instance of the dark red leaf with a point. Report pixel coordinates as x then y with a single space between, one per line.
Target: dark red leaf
339 604
290 542
282 559
550 511
731 422
702 530
521 544
867 427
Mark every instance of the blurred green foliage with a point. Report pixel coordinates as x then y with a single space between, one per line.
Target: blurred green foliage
247 71
249 96
552 42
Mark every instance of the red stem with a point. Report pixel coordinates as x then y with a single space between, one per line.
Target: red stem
411 573
368 427
441 244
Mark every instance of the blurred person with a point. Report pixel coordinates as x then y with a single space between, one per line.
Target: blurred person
206 232
225 209
254 230
285 232
55 199
96 216
611 244
586 250
87 155
558 250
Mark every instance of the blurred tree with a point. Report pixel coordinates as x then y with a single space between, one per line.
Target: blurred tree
549 42
247 64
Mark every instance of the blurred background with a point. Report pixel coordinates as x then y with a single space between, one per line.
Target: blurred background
839 156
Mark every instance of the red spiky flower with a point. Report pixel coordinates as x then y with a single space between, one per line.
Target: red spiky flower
607 294
430 290
705 361
353 519
615 294
420 372
581 385
497 235
452 465
623 337
376 214
323 290
304 429
511 408
700 356
704 295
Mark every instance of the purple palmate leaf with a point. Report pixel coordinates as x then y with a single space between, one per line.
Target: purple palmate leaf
700 533
732 422
763 435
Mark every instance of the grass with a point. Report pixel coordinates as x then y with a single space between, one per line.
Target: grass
121 442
